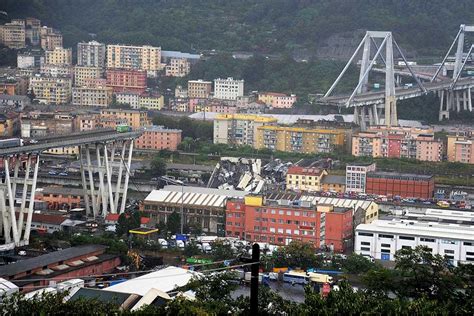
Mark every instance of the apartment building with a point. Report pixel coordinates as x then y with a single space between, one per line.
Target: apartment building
159 138
199 89
50 38
13 34
40 124
121 80
239 129
86 122
146 58
58 56
51 90
83 73
32 58
178 67
304 179
400 184
280 221
356 176
228 89
91 54
54 70
277 100
99 96
299 139
151 101
460 147
133 118
130 98
32 31
381 239
180 92
398 142
333 183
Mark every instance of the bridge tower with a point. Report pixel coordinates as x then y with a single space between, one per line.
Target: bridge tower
451 98
371 114
105 178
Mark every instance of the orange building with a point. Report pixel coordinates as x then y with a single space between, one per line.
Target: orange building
460 147
279 221
59 197
110 118
158 138
126 80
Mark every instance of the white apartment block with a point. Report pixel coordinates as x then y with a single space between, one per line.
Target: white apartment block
146 58
92 96
56 70
381 239
58 56
91 54
178 67
131 98
228 89
239 129
83 74
356 176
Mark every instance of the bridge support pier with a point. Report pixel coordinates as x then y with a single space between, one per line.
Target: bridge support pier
105 198
13 227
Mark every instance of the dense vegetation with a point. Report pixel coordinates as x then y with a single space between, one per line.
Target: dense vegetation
420 284
248 25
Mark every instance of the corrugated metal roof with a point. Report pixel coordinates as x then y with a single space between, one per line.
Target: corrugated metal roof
337 201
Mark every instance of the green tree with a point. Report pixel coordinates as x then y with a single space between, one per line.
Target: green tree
221 251
191 249
126 221
357 264
158 166
297 254
173 223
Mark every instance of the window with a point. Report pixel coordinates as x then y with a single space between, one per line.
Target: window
469 253
406 247
468 243
427 239
406 237
385 245
288 213
280 230
448 251
449 242
365 243
365 248
385 250
288 221
365 234
385 236
280 212
296 232
272 229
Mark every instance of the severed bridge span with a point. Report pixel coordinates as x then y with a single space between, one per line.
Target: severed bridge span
380 107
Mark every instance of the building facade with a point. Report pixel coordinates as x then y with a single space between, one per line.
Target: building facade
460 147
82 74
58 56
135 119
277 100
279 222
239 129
130 98
299 139
383 238
121 80
50 38
201 207
356 177
158 138
91 54
151 101
178 67
304 179
56 70
400 184
199 89
146 58
398 142
228 89
92 96
13 34
51 90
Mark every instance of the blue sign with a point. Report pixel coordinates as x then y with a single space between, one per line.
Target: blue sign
181 237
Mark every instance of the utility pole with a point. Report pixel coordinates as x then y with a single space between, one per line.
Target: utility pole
254 279
182 208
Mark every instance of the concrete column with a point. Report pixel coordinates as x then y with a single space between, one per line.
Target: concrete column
15 174
11 202
376 114
127 176
119 178
85 191
91 183
458 101
32 201
5 218
364 65
101 181
371 116
469 95
390 100
464 100
24 196
109 179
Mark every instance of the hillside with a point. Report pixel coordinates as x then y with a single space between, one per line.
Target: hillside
306 28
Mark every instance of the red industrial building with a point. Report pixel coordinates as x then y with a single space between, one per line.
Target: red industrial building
400 184
75 262
259 219
121 80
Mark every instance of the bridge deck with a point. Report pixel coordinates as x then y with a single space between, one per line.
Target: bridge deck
70 140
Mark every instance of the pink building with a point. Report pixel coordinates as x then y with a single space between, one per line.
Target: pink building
277 100
158 138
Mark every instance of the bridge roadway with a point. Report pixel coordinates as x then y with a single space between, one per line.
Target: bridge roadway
70 140
402 93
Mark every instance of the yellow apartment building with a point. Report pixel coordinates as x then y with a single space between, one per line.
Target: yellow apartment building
239 129
58 56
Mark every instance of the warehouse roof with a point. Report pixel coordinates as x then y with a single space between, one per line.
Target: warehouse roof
165 280
47 259
334 179
338 202
202 197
